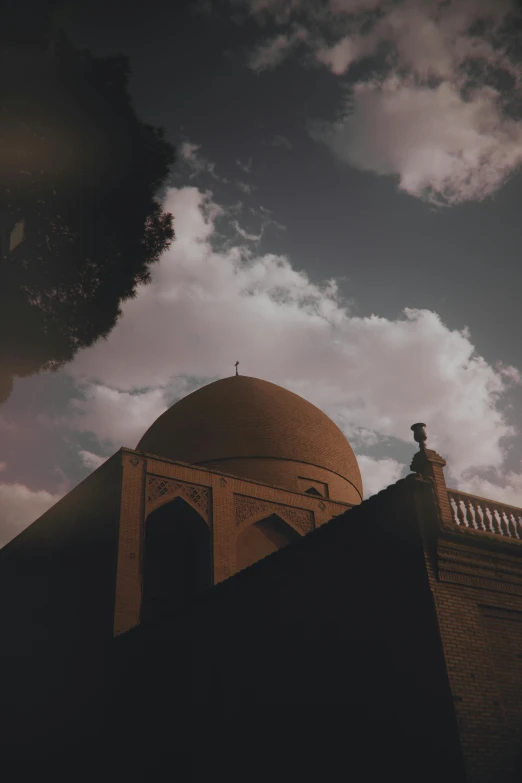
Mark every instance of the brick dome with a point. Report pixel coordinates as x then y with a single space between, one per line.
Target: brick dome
255 429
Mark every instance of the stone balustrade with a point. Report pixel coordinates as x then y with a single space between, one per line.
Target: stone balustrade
485 515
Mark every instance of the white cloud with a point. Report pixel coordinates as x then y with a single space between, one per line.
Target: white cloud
90 460
245 234
276 49
188 151
266 218
441 146
197 163
507 488
440 116
246 167
342 54
449 140
207 307
19 506
378 474
245 187
282 141
117 417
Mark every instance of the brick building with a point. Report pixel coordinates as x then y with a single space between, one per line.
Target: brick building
146 626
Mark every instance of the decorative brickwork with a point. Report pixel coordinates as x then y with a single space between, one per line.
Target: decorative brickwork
159 490
213 495
304 484
477 568
506 614
250 510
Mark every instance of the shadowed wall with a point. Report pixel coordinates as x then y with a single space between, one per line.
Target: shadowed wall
322 659
57 587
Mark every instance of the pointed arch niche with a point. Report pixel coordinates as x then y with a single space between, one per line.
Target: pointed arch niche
261 539
177 560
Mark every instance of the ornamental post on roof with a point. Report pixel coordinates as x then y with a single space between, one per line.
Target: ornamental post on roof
427 463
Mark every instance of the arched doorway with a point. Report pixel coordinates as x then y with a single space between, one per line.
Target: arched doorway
177 561
261 539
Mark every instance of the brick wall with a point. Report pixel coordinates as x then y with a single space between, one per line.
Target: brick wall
321 659
476 581
286 473
57 585
130 542
480 617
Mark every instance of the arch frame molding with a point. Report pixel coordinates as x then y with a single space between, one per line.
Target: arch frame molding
249 510
161 490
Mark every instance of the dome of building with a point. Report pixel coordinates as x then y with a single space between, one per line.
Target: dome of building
255 429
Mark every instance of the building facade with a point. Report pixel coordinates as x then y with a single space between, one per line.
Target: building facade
475 569
237 527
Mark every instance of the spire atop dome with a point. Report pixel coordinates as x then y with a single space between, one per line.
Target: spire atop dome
236 368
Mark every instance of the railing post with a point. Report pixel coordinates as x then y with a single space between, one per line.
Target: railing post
428 463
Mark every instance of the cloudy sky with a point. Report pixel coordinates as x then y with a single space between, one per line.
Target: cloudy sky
347 212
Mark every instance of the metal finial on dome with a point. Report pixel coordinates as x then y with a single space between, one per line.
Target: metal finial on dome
419 434
236 368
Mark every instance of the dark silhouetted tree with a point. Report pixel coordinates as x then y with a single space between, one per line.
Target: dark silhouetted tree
79 178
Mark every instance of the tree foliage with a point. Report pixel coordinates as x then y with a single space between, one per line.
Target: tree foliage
82 172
